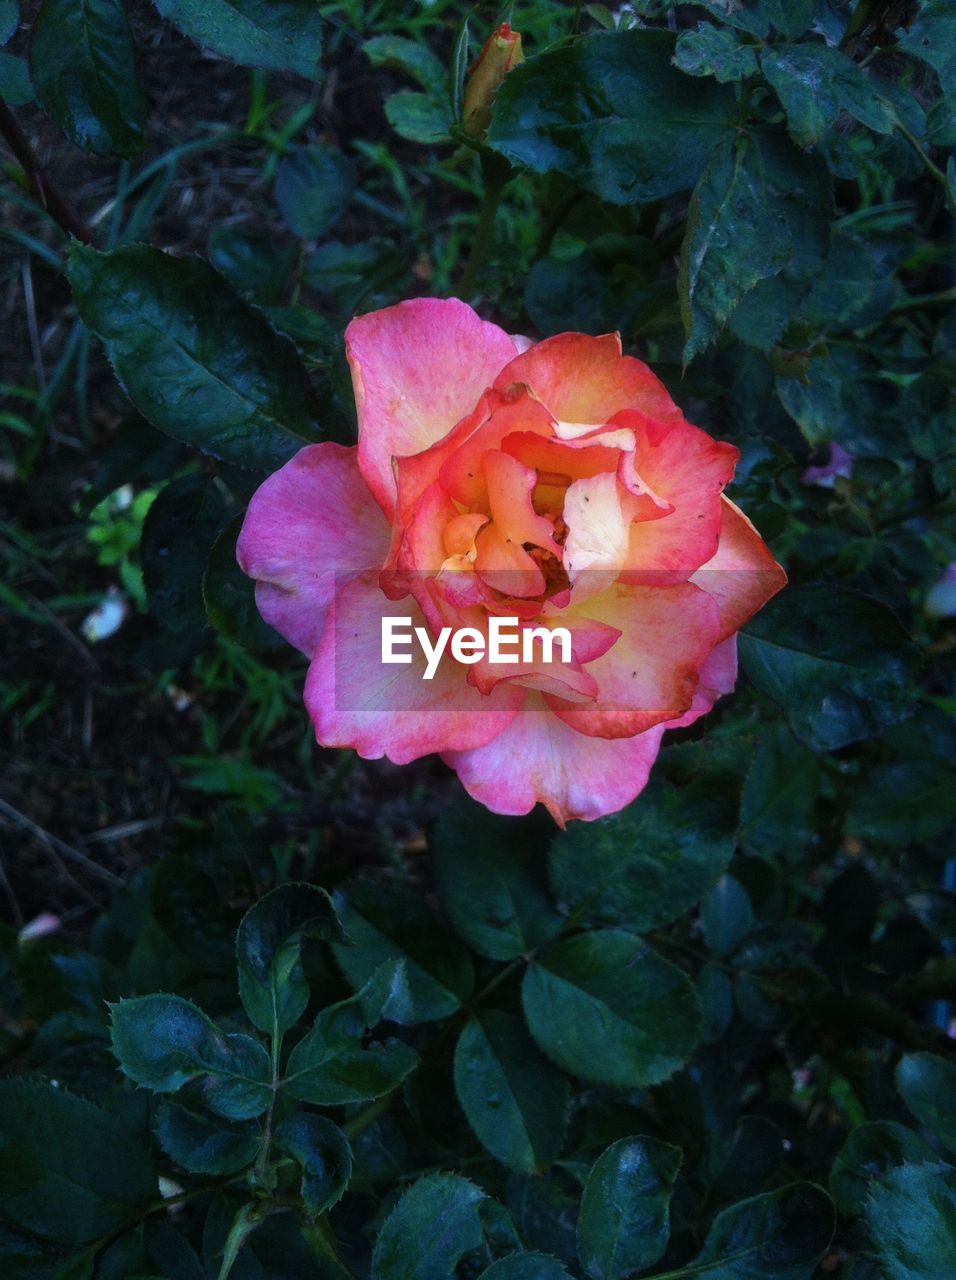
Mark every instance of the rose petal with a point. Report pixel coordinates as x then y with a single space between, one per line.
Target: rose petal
718 675
540 759
585 380
309 528
689 470
743 575
417 368
356 700
650 674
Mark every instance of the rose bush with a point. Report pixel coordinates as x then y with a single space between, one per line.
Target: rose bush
557 483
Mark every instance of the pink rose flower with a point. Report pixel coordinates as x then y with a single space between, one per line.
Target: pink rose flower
555 483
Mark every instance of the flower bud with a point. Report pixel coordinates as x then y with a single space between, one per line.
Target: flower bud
501 53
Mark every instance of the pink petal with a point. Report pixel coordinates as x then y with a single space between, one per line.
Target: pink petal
718 675
585 380
356 700
688 469
539 759
309 528
417 368
650 674
743 575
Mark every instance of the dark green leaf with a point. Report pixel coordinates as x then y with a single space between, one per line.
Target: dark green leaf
69 1170
418 116
163 1041
869 1151
202 1143
777 807
9 19
411 56
835 661
255 264
525 1266
436 1221
741 1161
815 83
180 528
562 294
780 1235
313 187
605 1007
714 51
928 1085
716 993
737 234
230 596
624 1224
322 1152
611 112
909 802
515 1101
490 875
391 922
81 62
726 916
278 35
645 866
272 985
195 359
931 37
16 87
911 1214
331 1064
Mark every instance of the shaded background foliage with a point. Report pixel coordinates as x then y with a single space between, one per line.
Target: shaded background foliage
306 1016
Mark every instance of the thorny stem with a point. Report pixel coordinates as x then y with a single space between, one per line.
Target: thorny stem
933 168
46 193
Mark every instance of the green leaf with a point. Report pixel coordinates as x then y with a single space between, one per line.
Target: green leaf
741 1161
16 87
272 985
737 235
835 661
714 51
870 1150
931 37
515 1101
197 360
9 19
322 1152
312 189
419 117
607 1008
163 1041
645 866
203 1143
81 63
69 1170
178 532
612 113
434 1224
777 806
726 916
909 802
411 56
331 1065
257 265
815 83
230 596
391 922
490 875
780 1235
525 1266
911 1214
277 35
928 1085
624 1224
